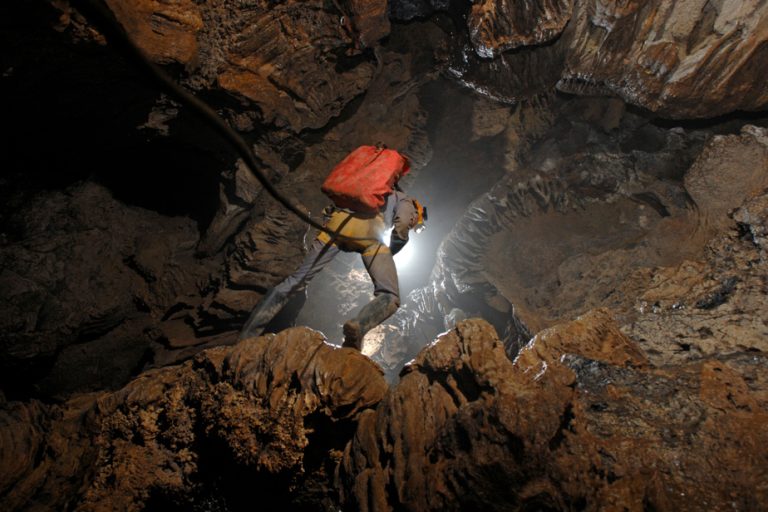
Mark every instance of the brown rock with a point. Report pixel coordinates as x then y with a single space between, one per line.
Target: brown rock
729 171
370 20
81 283
496 26
22 437
681 59
281 59
275 411
578 418
753 215
165 31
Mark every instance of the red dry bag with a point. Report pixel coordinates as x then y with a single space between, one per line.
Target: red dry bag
363 180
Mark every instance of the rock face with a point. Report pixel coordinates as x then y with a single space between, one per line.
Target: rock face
678 59
681 59
297 63
655 237
82 278
579 419
154 289
274 412
496 26
592 210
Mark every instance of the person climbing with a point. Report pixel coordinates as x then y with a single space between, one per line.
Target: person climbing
367 203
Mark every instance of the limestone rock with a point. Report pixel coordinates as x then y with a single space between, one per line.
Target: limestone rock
406 10
295 63
496 26
22 437
578 418
83 270
489 118
702 308
557 234
265 251
753 215
679 59
730 170
273 411
165 31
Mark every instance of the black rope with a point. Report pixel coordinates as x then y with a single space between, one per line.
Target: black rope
115 34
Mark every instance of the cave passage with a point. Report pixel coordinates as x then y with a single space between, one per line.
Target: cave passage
459 171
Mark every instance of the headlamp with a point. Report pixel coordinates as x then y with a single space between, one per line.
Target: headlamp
420 222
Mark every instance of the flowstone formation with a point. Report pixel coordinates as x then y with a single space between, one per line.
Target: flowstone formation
271 413
698 58
581 418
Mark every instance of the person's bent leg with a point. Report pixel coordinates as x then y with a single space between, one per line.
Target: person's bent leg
319 255
381 267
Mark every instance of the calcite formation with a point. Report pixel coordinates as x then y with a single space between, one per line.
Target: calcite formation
273 412
579 419
679 59
496 26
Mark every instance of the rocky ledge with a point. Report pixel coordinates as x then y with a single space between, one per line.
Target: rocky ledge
580 419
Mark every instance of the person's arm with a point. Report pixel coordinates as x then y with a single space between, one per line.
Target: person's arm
406 216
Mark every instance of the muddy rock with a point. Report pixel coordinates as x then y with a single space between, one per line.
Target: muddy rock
730 170
701 308
753 216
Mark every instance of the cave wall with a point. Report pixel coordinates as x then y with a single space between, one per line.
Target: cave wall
315 89
652 232
695 59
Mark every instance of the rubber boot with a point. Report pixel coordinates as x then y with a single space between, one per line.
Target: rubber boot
267 308
372 314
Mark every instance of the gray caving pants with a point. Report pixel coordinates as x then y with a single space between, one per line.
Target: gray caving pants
378 262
